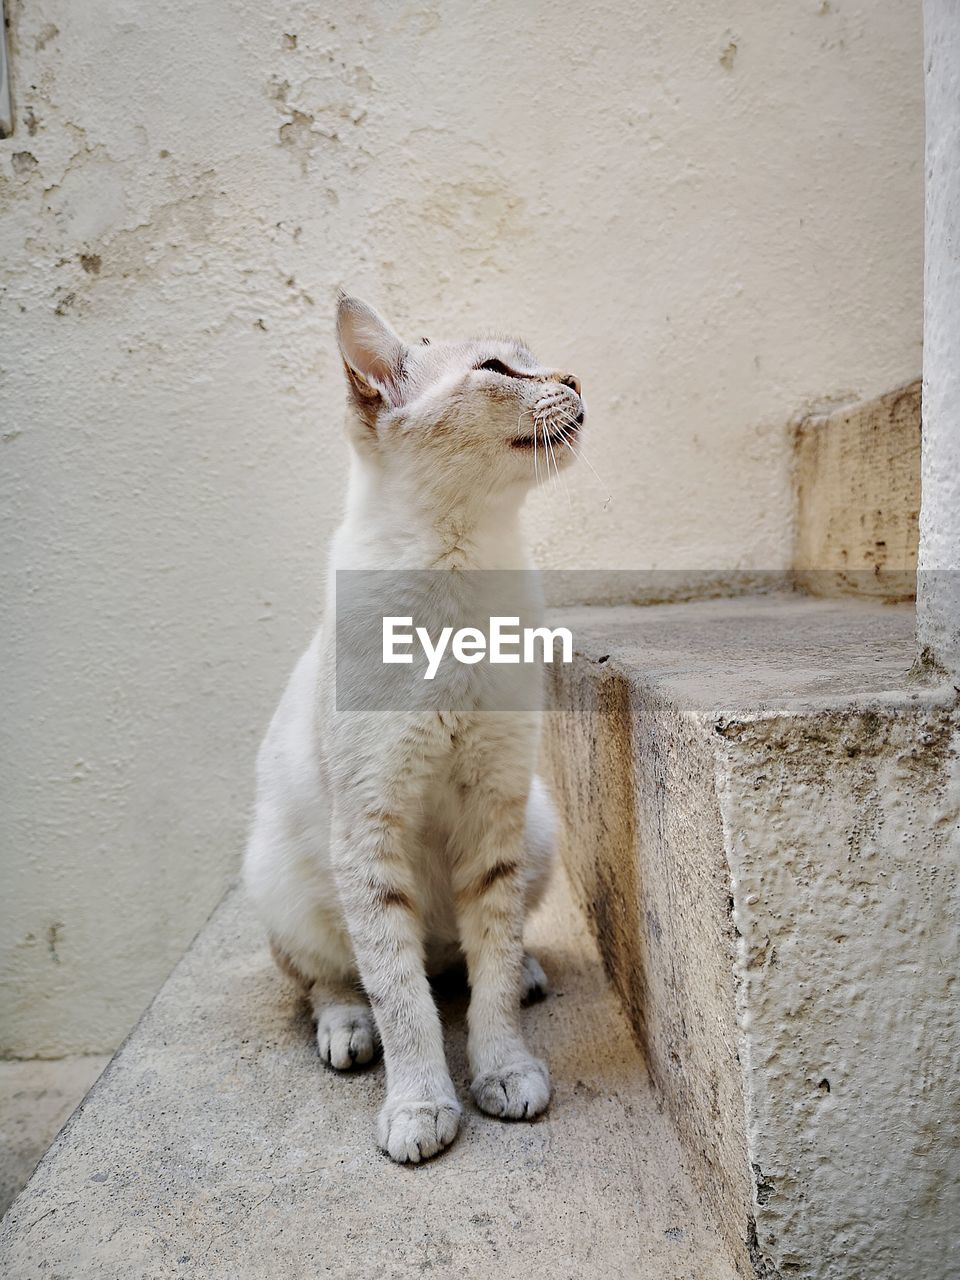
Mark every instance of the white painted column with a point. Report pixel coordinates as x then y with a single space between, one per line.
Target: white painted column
938 594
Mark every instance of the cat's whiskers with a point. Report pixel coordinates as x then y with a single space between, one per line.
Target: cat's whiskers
536 468
553 460
538 426
542 419
559 479
571 422
561 476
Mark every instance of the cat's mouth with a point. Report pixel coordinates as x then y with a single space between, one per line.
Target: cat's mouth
542 439
552 436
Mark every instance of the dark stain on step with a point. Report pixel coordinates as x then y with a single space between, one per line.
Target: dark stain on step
53 937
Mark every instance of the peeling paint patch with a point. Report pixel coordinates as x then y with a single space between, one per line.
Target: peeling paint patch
296 132
43 37
23 162
728 54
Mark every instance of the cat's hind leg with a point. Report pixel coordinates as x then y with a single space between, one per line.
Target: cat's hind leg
540 847
533 981
346 1032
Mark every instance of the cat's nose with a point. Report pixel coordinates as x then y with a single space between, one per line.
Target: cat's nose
568 380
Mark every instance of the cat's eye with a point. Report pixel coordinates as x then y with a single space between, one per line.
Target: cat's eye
494 365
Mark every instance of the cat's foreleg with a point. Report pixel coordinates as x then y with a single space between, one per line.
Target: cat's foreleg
421 1113
489 882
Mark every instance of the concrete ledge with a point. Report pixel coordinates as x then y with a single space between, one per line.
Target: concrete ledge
217 1145
764 828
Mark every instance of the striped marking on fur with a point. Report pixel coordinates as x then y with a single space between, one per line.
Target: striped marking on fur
492 876
387 895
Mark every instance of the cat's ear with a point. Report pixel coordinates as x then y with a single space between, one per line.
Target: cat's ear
372 354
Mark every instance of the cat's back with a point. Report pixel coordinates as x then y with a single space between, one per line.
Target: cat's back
289 760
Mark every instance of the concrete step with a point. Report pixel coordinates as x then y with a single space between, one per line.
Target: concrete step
856 477
36 1098
763 815
215 1144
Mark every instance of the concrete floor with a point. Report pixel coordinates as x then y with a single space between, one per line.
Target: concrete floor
217 1144
36 1097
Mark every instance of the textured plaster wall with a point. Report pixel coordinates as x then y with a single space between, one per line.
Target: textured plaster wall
938 611
713 217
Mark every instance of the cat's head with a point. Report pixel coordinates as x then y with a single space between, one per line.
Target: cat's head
483 412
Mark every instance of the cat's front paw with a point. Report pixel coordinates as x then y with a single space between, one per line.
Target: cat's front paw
347 1036
516 1091
413 1131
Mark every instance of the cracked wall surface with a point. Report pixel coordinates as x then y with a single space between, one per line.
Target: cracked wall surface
713 219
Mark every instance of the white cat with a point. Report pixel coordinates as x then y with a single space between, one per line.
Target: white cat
386 845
